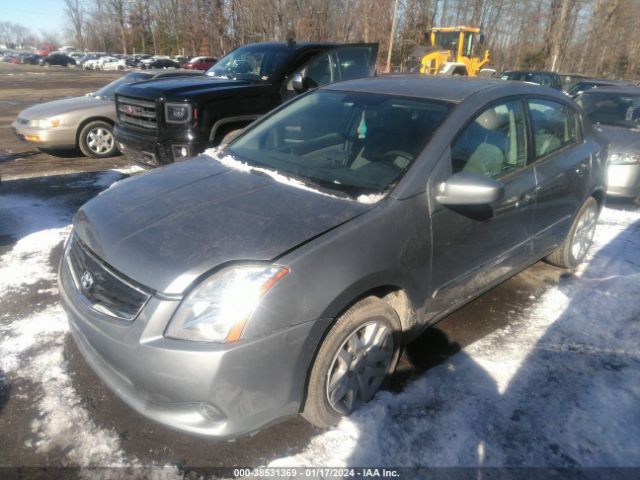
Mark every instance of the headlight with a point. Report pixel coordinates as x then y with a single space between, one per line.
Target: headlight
177 112
624 158
45 123
218 309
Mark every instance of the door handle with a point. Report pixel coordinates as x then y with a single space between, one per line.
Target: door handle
525 199
582 168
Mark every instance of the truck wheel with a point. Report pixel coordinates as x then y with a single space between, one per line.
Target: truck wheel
96 140
354 360
573 249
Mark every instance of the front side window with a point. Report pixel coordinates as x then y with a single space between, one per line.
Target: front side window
494 143
616 109
554 124
350 142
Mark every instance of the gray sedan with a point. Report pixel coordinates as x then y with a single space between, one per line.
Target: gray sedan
616 111
281 273
85 122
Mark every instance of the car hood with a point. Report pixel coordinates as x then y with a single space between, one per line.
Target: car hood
60 107
181 88
622 139
167 227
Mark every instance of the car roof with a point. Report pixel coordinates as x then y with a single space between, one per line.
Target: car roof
628 89
506 72
293 46
453 89
602 81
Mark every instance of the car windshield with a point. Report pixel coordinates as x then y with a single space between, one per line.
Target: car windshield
255 63
617 109
108 91
349 142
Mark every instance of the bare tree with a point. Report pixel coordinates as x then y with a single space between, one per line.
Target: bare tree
75 11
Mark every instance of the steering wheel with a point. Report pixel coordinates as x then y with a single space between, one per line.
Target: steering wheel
392 155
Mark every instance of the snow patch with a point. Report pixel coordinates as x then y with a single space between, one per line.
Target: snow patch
38 227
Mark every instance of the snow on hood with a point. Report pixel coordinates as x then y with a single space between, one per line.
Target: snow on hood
230 162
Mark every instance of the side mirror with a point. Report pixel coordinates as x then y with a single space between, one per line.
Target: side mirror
466 188
297 82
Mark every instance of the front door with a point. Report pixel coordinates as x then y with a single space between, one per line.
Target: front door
474 247
346 62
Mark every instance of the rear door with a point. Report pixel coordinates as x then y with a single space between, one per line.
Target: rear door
562 163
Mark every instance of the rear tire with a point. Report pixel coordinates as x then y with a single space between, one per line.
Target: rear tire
575 246
96 140
353 361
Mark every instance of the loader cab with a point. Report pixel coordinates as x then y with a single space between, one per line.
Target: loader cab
460 41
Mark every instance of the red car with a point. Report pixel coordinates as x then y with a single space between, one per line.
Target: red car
200 63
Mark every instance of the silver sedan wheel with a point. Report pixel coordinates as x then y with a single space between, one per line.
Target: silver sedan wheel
583 235
100 140
359 367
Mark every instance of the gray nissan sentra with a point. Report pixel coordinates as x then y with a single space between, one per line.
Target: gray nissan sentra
281 273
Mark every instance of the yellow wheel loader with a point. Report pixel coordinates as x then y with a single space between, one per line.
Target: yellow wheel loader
451 51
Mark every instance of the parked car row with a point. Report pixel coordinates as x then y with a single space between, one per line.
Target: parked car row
252 267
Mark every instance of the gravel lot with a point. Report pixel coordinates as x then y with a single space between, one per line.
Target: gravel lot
542 371
24 85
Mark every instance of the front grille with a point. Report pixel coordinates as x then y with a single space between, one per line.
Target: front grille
23 121
137 113
103 289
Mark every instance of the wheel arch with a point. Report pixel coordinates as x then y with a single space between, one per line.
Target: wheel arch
393 295
223 126
599 195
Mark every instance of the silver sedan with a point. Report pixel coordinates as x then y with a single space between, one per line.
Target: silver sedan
616 111
80 122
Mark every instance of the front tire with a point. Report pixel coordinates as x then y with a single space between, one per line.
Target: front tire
96 140
354 360
575 246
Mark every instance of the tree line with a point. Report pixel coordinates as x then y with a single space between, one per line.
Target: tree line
594 37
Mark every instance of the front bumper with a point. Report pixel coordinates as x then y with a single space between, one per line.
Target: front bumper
149 152
221 391
63 136
623 180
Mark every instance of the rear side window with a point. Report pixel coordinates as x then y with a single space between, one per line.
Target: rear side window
555 126
494 143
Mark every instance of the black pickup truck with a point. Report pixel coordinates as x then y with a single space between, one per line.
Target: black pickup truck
165 121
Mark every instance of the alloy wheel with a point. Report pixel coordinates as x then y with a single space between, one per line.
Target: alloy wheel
584 232
100 140
359 367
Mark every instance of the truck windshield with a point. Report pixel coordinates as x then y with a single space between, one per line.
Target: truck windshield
352 142
254 63
617 109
